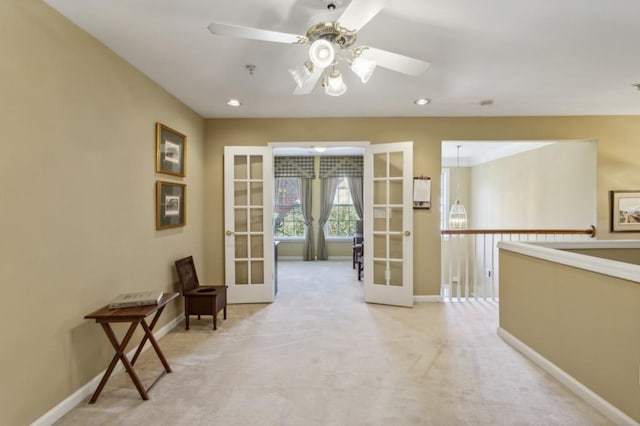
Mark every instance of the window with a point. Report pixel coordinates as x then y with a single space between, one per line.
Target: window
343 217
287 214
444 198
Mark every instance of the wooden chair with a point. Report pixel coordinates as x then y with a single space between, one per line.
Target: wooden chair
357 243
199 300
360 262
357 249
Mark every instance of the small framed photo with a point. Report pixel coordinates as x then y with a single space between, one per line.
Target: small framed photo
421 192
625 211
171 151
171 199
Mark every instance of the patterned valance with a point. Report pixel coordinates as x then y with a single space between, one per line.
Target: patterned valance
294 167
351 166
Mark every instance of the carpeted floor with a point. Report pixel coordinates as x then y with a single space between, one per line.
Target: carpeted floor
320 356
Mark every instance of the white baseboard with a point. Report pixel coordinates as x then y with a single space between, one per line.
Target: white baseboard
590 397
428 299
53 415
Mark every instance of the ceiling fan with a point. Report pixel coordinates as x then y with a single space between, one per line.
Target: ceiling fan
331 42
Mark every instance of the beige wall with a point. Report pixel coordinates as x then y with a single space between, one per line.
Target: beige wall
585 323
550 187
336 249
618 158
77 188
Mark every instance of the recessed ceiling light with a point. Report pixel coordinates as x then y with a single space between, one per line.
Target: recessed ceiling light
422 101
233 102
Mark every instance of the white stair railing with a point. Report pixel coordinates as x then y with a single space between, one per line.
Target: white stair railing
469 257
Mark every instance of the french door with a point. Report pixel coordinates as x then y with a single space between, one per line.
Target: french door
388 224
248 195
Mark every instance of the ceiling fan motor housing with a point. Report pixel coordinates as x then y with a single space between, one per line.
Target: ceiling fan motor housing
333 32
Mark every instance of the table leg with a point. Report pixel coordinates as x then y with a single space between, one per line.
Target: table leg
119 355
155 345
145 337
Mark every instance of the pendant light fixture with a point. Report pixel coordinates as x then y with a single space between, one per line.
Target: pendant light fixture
457 214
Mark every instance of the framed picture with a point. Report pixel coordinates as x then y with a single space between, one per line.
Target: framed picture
625 211
171 199
171 151
421 192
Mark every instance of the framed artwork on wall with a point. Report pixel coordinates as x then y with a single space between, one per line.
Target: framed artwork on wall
421 192
171 151
171 199
625 211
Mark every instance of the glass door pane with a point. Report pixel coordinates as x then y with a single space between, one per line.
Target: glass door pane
248 261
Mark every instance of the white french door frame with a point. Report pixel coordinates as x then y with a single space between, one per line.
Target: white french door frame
248 213
380 292
382 264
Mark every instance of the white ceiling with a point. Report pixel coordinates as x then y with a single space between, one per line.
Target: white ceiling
536 57
472 153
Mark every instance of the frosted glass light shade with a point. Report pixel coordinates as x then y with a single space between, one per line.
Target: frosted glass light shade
457 216
335 85
322 53
301 73
363 68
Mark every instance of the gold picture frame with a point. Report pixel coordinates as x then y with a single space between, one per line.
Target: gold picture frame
625 211
171 205
171 151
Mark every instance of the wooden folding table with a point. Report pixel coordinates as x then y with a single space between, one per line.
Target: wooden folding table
134 315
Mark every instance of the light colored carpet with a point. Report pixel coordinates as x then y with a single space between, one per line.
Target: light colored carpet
320 356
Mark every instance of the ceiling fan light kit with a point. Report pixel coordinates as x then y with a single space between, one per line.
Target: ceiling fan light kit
322 53
331 42
363 68
301 73
334 85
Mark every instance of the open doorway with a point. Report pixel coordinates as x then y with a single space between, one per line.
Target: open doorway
336 227
289 214
516 190
384 183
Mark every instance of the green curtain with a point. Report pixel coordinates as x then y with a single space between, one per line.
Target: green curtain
305 207
327 194
355 184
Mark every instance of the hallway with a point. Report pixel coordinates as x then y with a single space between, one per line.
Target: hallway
320 356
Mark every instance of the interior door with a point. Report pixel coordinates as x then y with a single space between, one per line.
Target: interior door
388 225
248 211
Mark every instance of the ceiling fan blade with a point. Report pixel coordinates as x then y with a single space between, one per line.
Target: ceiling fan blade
359 12
254 33
310 83
396 62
